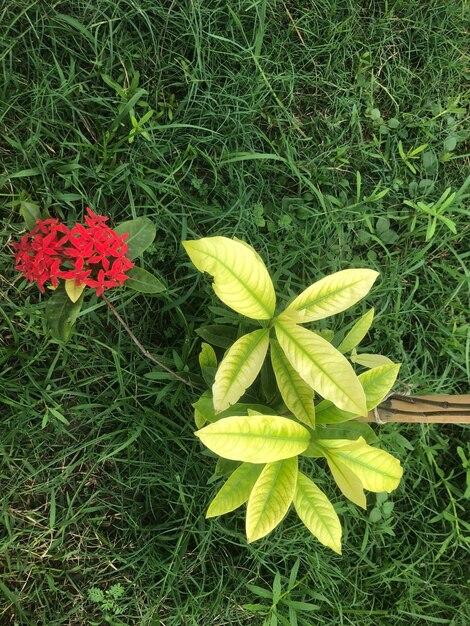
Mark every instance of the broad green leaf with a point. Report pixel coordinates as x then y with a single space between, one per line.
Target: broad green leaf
327 413
255 439
204 409
322 367
376 383
370 360
143 281
271 498
239 368
236 490
208 363
330 295
223 468
348 430
62 313
199 418
317 513
207 356
314 450
73 290
327 333
347 481
357 332
296 393
268 388
218 335
376 469
241 279
30 212
141 233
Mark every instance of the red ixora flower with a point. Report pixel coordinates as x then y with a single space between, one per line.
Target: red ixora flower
91 254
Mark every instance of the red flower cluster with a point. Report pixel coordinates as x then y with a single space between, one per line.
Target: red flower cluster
92 255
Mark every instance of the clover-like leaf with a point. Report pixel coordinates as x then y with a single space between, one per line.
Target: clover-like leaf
241 279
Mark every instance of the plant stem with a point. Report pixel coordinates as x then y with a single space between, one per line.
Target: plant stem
144 351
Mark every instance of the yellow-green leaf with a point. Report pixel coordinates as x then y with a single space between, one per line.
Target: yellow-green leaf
330 295
376 383
199 418
370 360
322 367
241 279
207 356
376 469
239 368
347 481
236 490
296 393
270 498
255 439
317 513
73 290
357 332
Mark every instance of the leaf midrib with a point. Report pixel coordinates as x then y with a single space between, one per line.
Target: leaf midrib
250 348
271 491
320 299
283 329
289 376
264 437
344 458
250 291
305 494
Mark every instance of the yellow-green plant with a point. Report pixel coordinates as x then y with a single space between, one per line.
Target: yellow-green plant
267 441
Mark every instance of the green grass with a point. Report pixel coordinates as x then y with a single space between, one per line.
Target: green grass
264 114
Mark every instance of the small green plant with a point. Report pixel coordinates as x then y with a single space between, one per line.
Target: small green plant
411 154
90 255
109 602
268 438
131 97
435 211
276 603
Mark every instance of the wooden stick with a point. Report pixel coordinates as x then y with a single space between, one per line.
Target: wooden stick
438 409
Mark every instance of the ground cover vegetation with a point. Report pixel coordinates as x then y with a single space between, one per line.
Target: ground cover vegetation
328 135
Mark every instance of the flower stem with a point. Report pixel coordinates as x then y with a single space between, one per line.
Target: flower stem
144 351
